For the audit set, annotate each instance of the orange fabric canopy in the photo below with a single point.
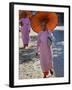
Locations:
(51, 17)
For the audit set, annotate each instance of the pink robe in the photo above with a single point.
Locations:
(25, 30)
(45, 51)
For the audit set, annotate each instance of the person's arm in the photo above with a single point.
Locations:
(29, 25)
(21, 22)
(53, 38)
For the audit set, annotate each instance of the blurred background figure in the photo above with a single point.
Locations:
(24, 23)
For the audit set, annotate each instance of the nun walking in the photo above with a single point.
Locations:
(44, 45)
(25, 29)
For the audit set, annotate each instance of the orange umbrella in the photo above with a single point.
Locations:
(23, 13)
(51, 17)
